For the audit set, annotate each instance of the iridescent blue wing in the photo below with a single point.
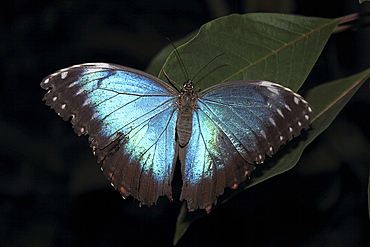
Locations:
(130, 118)
(235, 126)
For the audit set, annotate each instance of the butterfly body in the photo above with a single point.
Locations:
(139, 126)
(187, 103)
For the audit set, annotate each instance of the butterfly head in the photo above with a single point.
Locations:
(188, 86)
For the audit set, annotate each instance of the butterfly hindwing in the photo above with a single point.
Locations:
(210, 163)
(130, 119)
(235, 125)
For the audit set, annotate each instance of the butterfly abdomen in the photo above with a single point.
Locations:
(186, 104)
(184, 125)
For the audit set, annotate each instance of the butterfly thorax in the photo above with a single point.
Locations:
(186, 104)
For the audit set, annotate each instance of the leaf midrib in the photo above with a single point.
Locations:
(280, 49)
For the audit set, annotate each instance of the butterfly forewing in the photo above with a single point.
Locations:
(258, 116)
(234, 126)
(130, 119)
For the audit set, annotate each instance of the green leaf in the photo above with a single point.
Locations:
(258, 46)
(361, 1)
(184, 220)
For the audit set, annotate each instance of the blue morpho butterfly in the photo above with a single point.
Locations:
(139, 125)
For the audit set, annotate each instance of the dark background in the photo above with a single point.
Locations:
(52, 192)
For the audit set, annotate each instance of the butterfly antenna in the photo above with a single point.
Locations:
(172, 82)
(182, 65)
(213, 59)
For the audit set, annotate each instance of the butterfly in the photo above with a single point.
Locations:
(139, 126)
